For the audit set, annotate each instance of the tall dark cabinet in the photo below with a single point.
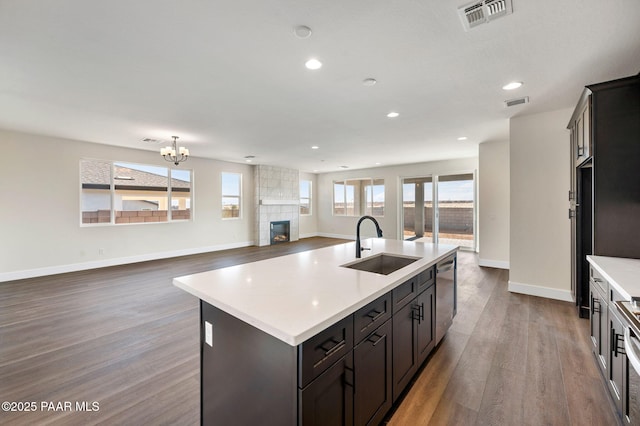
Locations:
(605, 178)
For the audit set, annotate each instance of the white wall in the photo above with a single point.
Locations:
(40, 210)
(345, 227)
(309, 223)
(493, 205)
(539, 252)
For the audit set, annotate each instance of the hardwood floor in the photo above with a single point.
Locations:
(127, 339)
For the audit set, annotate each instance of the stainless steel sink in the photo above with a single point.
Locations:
(382, 263)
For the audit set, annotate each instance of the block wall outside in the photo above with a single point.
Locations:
(453, 219)
(143, 216)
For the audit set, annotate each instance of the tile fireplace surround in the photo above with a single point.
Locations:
(277, 197)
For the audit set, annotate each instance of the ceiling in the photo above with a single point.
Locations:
(228, 76)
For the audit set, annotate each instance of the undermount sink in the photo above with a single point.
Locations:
(382, 263)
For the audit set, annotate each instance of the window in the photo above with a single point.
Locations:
(357, 197)
(231, 190)
(305, 197)
(119, 192)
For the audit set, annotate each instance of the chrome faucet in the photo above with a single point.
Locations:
(378, 230)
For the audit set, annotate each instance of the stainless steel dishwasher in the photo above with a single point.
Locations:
(446, 295)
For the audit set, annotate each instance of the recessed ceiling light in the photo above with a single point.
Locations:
(315, 147)
(369, 81)
(393, 114)
(462, 138)
(313, 64)
(377, 164)
(512, 85)
(302, 31)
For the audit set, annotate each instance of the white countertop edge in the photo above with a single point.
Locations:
(621, 288)
(294, 340)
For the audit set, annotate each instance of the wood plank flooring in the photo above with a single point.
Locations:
(126, 338)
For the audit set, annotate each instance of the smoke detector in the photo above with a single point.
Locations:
(483, 11)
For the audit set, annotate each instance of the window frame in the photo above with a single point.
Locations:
(112, 188)
(223, 196)
(309, 198)
(354, 196)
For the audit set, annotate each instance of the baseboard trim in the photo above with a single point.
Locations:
(311, 235)
(546, 292)
(74, 267)
(500, 264)
(341, 236)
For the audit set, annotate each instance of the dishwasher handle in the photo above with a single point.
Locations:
(630, 351)
(445, 266)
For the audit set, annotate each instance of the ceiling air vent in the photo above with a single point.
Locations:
(150, 140)
(483, 11)
(517, 101)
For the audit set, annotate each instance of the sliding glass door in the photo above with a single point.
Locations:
(455, 210)
(417, 205)
(448, 220)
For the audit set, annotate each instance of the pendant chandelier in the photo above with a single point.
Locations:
(173, 154)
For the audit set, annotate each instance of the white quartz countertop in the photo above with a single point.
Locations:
(296, 296)
(623, 274)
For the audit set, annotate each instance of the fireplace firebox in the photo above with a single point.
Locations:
(280, 232)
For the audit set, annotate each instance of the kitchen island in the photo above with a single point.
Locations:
(303, 339)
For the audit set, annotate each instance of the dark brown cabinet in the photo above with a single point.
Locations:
(617, 358)
(413, 330)
(372, 384)
(599, 320)
(605, 177)
(348, 374)
(328, 399)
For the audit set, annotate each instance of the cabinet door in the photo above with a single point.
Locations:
(617, 359)
(426, 323)
(603, 350)
(372, 367)
(328, 400)
(405, 359)
(594, 319)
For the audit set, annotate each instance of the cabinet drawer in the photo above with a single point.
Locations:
(598, 280)
(324, 349)
(366, 319)
(426, 279)
(404, 293)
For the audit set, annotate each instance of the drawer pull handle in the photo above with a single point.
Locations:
(378, 340)
(338, 345)
(374, 315)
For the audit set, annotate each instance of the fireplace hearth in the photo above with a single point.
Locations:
(280, 232)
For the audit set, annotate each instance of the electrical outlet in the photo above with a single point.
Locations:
(208, 333)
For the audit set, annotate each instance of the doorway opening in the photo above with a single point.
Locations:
(440, 209)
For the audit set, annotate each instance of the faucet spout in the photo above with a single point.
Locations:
(378, 230)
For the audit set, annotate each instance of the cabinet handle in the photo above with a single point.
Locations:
(352, 373)
(422, 311)
(597, 280)
(615, 339)
(378, 340)
(415, 313)
(374, 315)
(338, 345)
